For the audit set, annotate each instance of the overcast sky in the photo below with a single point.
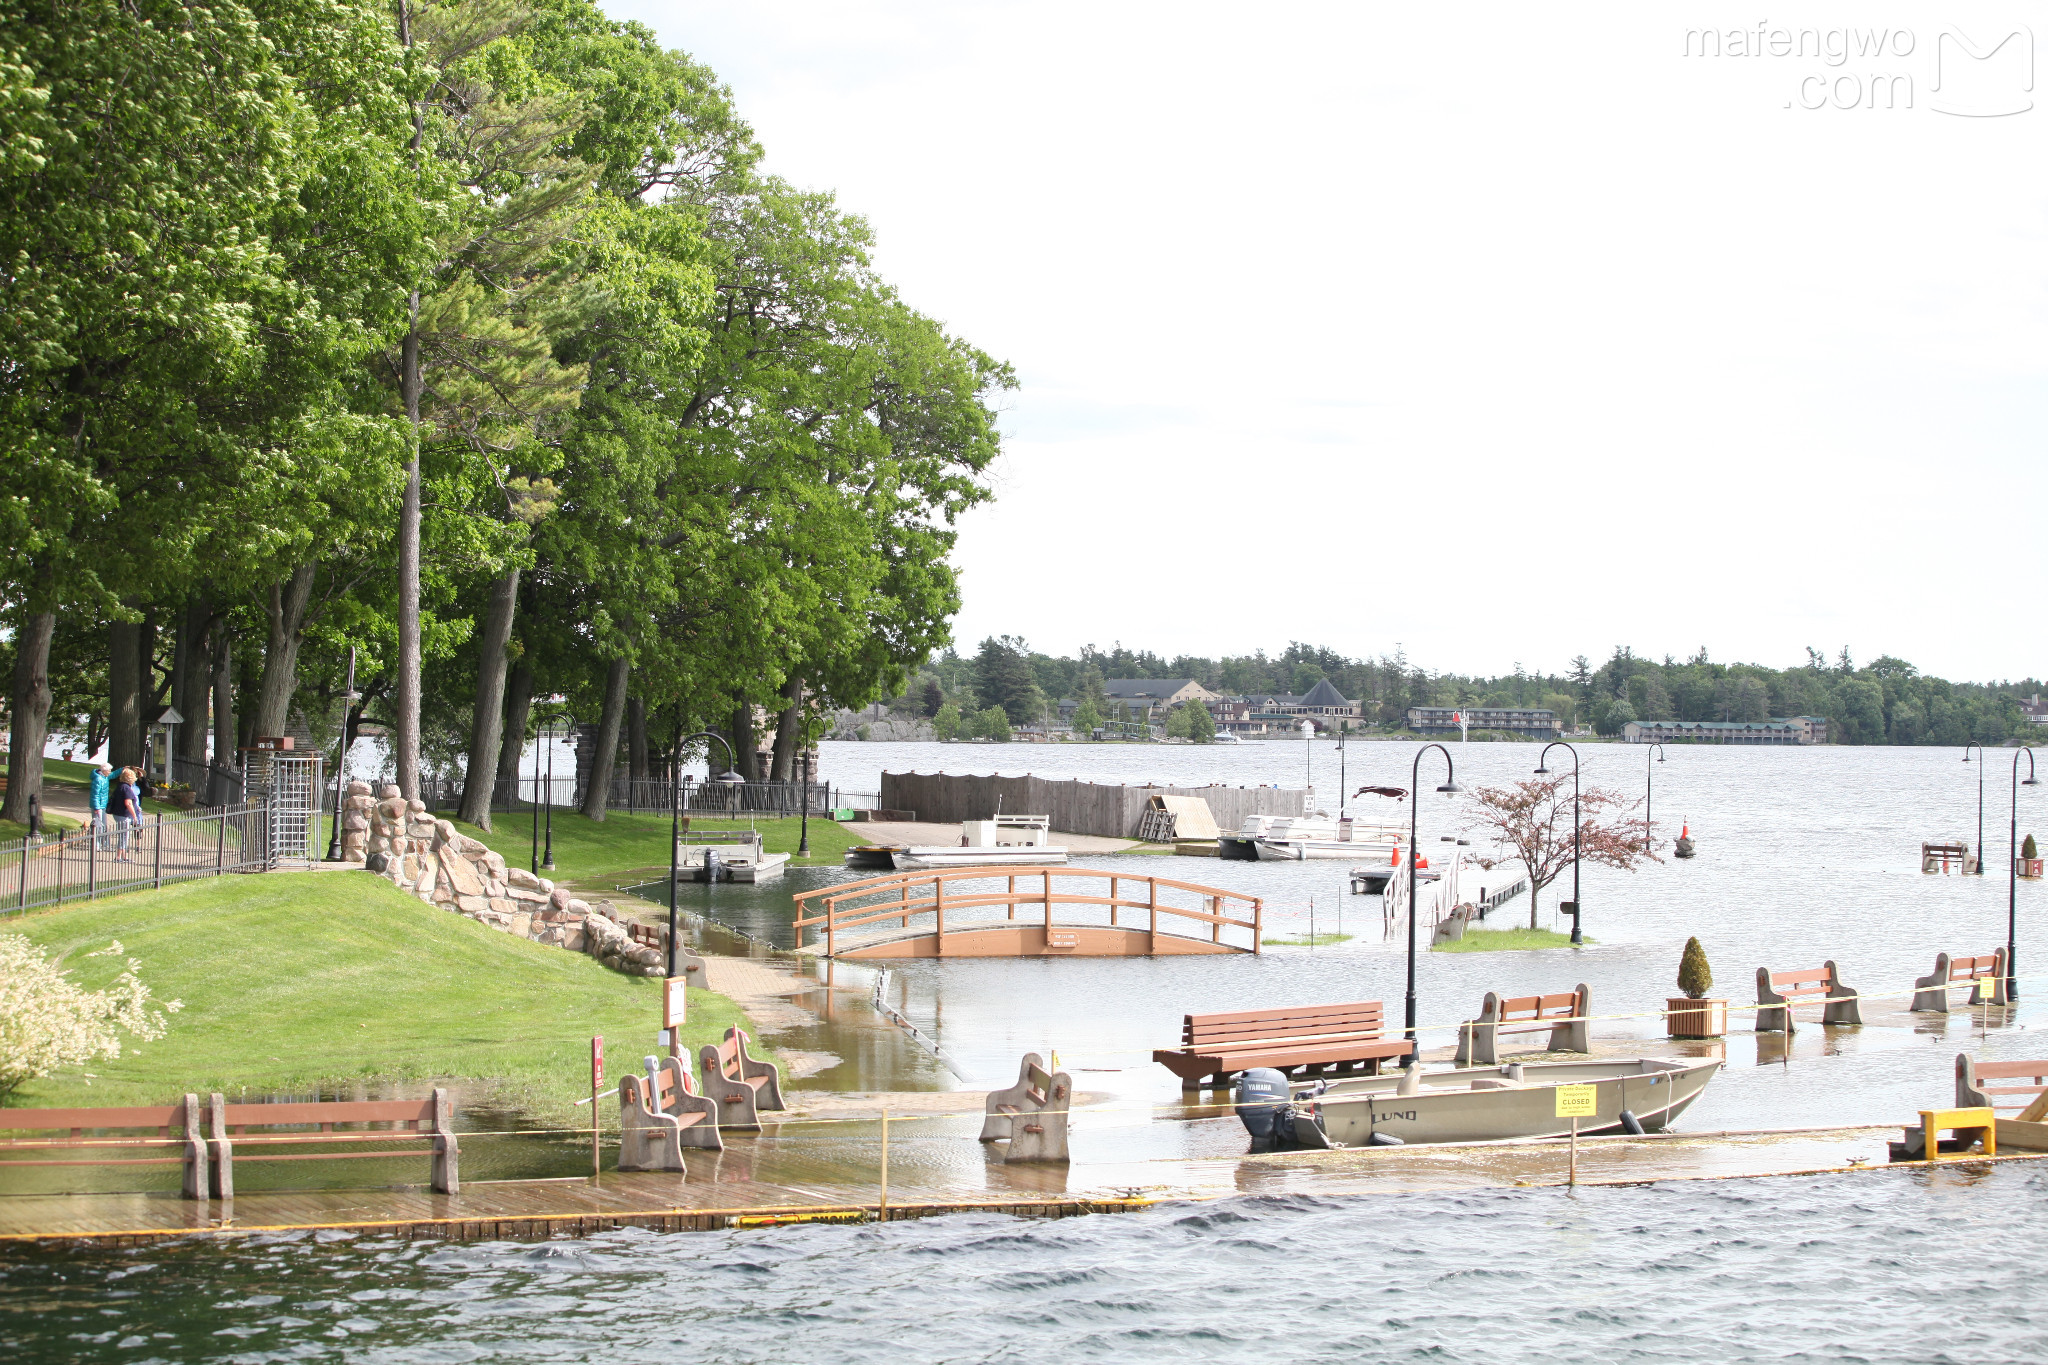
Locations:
(1505, 332)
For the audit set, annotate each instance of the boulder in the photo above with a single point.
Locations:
(448, 833)
(355, 820)
(358, 788)
(390, 791)
(462, 875)
(472, 905)
(377, 862)
(523, 880)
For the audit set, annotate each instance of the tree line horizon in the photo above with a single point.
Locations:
(1884, 701)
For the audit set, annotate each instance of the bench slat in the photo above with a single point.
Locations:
(1239, 1016)
(150, 1116)
(1290, 1029)
(338, 1111)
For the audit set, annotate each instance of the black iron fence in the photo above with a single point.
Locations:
(651, 796)
(154, 851)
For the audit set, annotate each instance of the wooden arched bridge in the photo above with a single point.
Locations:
(1046, 912)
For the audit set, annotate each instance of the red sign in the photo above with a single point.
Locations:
(597, 1064)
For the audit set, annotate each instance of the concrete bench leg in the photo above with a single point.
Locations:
(195, 1185)
(1576, 1035)
(1930, 992)
(1843, 1006)
(1777, 1020)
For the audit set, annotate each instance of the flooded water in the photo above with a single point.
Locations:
(1885, 1267)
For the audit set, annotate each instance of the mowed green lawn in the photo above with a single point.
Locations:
(293, 981)
(588, 851)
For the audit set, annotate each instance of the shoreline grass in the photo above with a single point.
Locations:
(1505, 940)
(587, 850)
(1306, 941)
(298, 981)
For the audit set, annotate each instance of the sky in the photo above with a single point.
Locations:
(1499, 332)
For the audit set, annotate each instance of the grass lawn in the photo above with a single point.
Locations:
(297, 980)
(589, 851)
(1305, 941)
(1497, 940)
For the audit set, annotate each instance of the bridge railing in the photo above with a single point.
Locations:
(907, 895)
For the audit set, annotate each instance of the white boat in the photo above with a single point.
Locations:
(1284, 839)
(921, 858)
(745, 863)
(1490, 1104)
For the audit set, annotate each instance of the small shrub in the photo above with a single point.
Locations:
(2027, 848)
(1695, 978)
(48, 1022)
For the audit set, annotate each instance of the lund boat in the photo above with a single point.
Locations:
(1489, 1104)
(924, 858)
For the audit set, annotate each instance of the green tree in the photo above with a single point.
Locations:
(1086, 718)
(1609, 719)
(1003, 678)
(1201, 725)
(946, 724)
(993, 723)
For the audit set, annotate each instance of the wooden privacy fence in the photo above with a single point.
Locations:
(1076, 807)
(968, 894)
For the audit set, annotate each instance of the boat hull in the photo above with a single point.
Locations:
(1449, 1108)
(1328, 850)
(930, 859)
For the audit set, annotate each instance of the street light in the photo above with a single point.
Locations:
(1647, 770)
(348, 695)
(547, 854)
(675, 831)
(1414, 812)
(803, 844)
(1973, 744)
(2012, 876)
(1542, 770)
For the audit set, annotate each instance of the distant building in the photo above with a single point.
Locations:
(2035, 710)
(1537, 722)
(1794, 730)
(1325, 703)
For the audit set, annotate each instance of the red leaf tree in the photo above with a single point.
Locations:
(1531, 823)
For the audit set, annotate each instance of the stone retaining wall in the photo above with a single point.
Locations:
(401, 842)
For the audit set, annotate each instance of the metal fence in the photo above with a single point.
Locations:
(652, 796)
(153, 852)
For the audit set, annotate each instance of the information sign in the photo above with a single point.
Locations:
(1578, 1101)
(673, 1001)
(597, 1065)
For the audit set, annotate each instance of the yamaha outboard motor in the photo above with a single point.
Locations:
(1262, 1099)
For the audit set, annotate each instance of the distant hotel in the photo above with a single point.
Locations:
(1797, 730)
(1443, 720)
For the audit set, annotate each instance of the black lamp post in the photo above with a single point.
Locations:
(675, 832)
(348, 696)
(1543, 769)
(1647, 771)
(1414, 813)
(547, 854)
(803, 846)
(2012, 876)
(1973, 744)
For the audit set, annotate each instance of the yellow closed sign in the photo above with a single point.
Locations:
(1578, 1101)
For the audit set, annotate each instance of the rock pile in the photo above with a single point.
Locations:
(400, 840)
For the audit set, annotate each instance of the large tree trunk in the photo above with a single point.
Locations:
(608, 726)
(189, 686)
(285, 614)
(788, 727)
(518, 707)
(479, 776)
(406, 693)
(746, 760)
(224, 771)
(124, 693)
(30, 727)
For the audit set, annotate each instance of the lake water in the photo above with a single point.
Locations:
(1891, 1267)
(1805, 854)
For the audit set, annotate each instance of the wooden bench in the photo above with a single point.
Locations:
(175, 1125)
(1935, 857)
(660, 1113)
(1820, 985)
(1306, 1038)
(433, 1119)
(2029, 1129)
(741, 1086)
(1567, 1016)
(1030, 1115)
(1930, 992)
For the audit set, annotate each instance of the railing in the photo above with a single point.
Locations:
(153, 852)
(649, 796)
(830, 907)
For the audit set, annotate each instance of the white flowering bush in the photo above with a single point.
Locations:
(48, 1021)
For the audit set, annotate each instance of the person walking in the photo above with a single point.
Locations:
(126, 805)
(102, 788)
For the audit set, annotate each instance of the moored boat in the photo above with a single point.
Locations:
(924, 858)
(1490, 1104)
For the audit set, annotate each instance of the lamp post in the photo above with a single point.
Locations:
(1973, 744)
(803, 845)
(534, 867)
(547, 854)
(2012, 875)
(348, 695)
(1343, 783)
(675, 832)
(1414, 813)
(1541, 770)
(1308, 753)
(1647, 770)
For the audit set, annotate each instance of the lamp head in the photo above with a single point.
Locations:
(1451, 787)
(2030, 781)
(1543, 771)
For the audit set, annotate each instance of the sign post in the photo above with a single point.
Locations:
(596, 1085)
(1576, 1102)
(674, 1008)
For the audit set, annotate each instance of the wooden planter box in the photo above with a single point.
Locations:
(1697, 1018)
(182, 800)
(2030, 868)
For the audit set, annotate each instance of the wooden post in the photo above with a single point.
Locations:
(158, 869)
(1216, 920)
(885, 1163)
(596, 1084)
(1012, 907)
(939, 905)
(1258, 924)
(1572, 1178)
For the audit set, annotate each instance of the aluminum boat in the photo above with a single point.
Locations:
(1488, 1104)
(927, 857)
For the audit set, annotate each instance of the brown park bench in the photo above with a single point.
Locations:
(739, 1085)
(1030, 1115)
(174, 1125)
(2029, 1129)
(660, 1114)
(1820, 985)
(432, 1119)
(1306, 1038)
(1930, 992)
(1565, 1016)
